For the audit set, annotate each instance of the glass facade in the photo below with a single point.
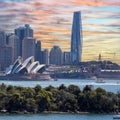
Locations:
(76, 38)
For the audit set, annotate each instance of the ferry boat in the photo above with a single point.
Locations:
(117, 117)
(100, 80)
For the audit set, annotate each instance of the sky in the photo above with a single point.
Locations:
(51, 21)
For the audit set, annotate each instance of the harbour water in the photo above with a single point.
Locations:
(56, 117)
(109, 85)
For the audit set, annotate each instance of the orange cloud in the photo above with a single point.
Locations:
(99, 32)
(95, 3)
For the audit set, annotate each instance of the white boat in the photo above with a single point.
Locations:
(99, 80)
(117, 117)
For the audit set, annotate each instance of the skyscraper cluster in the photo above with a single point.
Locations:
(22, 43)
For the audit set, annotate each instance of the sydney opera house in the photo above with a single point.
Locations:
(29, 66)
(26, 70)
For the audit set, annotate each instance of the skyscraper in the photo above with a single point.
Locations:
(13, 42)
(45, 57)
(38, 51)
(76, 38)
(2, 38)
(23, 32)
(5, 52)
(19, 32)
(66, 58)
(28, 48)
(5, 57)
(28, 32)
(56, 55)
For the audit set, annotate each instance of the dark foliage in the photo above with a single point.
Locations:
(61, 99)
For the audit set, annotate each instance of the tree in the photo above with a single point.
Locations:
(74, 89)
(37, 88)
(31, 105)
(3, 87)
(87, 88)
(10, 88)
(62, 87)
(2, 100)
(28, 93)
(100, 91)
(43, 100)
(15, 102)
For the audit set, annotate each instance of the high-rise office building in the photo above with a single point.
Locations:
(5, 52)
(19, 32)
(45, 57)
(7, 37)
(76, 38)
(28, 32)
(2, 38)
(13, 42)
(66, 57)
(28, 48)
(5, 57)
(23, 32)
(38, 51)
(55, 56)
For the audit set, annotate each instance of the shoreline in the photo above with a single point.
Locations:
(55, 79)
(52, 112)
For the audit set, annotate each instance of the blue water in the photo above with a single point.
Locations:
(56, 117)
(109, 85)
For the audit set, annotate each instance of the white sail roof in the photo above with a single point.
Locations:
(28, 66)
(38, 68)
(33, 66)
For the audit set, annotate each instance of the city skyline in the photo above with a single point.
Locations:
(52, 23)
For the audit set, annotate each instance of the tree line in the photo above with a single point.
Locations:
(59, 99)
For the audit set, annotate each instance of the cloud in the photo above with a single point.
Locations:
(96, 3)
(52, 22)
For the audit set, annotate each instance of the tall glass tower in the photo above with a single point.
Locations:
(76, 38)
(21, 33)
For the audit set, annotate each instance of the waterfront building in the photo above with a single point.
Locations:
(55, 56)
(66, 57)
(76, 38)
(5, 57)
(23, 32)
(13, 42)
(27, 66)
(28, 48)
